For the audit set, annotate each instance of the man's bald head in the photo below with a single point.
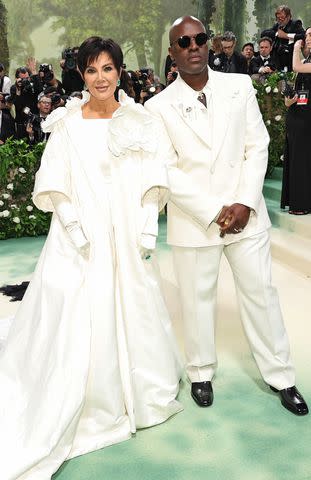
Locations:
(180, 22)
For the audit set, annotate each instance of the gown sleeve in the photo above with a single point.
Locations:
(54, 172)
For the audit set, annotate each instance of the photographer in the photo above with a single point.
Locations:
(231, 61)
(7, 125)
(57, 99)
(283, 34)
(48, 79)
(172, 74)
(23, 94)
(5, 82)
(262, 65)
(146, 80)
(248, 51)
(33, 126)
(215, 54)
(71, 78)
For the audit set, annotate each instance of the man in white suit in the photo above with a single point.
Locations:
(219, 150)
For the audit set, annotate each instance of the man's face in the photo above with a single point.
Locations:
(282, 18)
(23, 75)
(191, 60)
(265, 48)
(44, 106)
(228, 47)
(248, 52)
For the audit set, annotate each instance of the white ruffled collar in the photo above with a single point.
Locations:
(131, 126)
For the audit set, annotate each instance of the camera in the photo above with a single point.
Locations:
(25, 85)
(32, 119)
(56, 98)
(47, 71)
(143, 77)
(286, 89)
(70, 57)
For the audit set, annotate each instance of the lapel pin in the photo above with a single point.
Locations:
(188, 109)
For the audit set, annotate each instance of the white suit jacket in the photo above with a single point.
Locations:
(203, 178)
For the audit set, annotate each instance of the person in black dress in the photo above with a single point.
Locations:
(296, 188)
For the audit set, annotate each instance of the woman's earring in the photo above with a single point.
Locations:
(118, 83)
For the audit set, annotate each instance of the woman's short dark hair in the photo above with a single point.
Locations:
(92, 47)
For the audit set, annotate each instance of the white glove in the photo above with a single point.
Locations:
(147, 245)
(68, 217)
(78, 238)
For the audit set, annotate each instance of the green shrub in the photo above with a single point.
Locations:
(271, 104)
(18, 215)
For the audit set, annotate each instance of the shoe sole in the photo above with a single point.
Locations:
(200, 404)
(288, 407)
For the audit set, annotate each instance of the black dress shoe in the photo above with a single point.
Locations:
(292, 399)
(202, 393)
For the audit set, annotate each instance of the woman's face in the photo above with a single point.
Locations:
(101, 77)
(308, 38)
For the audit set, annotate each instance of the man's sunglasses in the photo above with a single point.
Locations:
(184, 41)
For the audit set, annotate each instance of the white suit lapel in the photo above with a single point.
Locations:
(186, 109)
(223, 95)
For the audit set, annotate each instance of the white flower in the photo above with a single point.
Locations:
(16, 220)
(268, 89)
(282, 158)
(6, 196)
(21, 170)
(5, 213)
(29, 208)
(32, 217)
(268, 122)
(9, 186)
(275, 90)
(1, 203)
(14, 206)
(278, 118)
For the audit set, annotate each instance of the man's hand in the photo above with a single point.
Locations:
(233, 219)
(32, 65)
(282, 34)
(29, 129)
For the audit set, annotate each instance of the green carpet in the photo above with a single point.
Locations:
(245, 435)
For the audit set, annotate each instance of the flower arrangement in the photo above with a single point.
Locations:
(18, 215)
(271, 104)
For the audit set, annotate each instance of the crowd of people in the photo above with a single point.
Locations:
(24, 102)
(91, 354)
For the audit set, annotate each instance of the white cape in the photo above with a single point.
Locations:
(91, 355)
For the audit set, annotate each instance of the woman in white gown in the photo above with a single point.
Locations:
(91, 354)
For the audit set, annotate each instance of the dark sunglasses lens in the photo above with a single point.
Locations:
(201, 39)
(184, 41)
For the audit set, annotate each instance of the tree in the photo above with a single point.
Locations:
(206, 8)
(264, 13)
(22, 21)
(4, 49)
(234, 19)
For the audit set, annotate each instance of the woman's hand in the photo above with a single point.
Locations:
(290, 101)
(298, 45)
(147, 245)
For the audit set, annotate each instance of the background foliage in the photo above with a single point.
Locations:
(4, 48)
(140, 26)
(18, 215)
(271, 104)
